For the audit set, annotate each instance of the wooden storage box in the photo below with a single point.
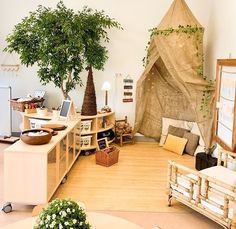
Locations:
(107, 157)
(21, 106)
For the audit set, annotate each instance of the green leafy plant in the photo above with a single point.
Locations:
(53, 40)
(62, 214)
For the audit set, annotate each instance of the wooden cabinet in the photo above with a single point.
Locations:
(32, 173)
(225, 104)
(98, 123)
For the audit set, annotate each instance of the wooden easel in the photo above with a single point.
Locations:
(72, 112)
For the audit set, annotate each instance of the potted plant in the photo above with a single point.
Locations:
(62, 214)
(52, 39)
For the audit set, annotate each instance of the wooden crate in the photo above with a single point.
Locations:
(107, 157)
(21, 106)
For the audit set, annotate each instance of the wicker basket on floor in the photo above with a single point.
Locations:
(107, 157)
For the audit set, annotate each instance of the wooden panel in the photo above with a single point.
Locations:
(224, 117)
(25, 178)
(5, 114)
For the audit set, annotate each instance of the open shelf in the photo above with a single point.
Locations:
(89, 132)
(98, 121)
(89, 147)
(112, 140)
(105, 129)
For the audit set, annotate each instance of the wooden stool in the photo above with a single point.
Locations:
(123, 138)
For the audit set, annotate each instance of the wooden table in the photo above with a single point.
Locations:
(97, 221)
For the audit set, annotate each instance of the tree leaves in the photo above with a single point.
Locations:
(62, 43)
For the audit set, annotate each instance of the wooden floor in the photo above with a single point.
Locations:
(136, 183)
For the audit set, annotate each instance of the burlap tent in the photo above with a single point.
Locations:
(171, 85)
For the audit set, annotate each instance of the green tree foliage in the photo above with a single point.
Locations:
(62, 43)
(94, 25)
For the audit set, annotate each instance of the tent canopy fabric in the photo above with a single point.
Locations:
(171, 85)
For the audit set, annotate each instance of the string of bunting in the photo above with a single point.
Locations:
(9, 64)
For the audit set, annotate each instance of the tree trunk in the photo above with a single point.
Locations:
(89, 106)
(65, 94)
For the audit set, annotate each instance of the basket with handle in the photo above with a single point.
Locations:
(108, 156)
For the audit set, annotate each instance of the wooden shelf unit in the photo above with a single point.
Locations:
(108, 118)
(36, 171)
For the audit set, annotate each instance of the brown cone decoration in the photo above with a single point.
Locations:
(89, 106)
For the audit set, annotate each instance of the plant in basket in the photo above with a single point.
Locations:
(62, 214)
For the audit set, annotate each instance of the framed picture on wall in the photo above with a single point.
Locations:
(224, 131)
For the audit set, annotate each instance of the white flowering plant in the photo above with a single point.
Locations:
(62, 214)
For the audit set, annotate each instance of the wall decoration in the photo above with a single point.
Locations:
(9, 64)
(128, 89)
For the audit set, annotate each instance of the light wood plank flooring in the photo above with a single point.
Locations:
(136, 183)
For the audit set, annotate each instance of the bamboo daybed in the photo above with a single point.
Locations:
(211, 192)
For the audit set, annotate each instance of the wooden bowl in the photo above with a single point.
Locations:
(36, 140)
(56, 127)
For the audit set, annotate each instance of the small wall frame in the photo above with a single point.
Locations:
(224, 128)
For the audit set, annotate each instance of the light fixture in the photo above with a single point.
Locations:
(106, 87)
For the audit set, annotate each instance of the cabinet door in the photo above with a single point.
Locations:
(224, 118)
(62, 157)
(71, 148)
(51, 172)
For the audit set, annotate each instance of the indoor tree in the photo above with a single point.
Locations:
(52, 39)
(94, 25)
(64, 43)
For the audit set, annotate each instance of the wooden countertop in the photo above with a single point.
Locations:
(20, 146)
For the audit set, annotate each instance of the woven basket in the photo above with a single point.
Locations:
(107, 157)
(21, 106)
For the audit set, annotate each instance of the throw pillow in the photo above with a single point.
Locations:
(177, 131)
(175, 144)
(174, 122)
(192, 144)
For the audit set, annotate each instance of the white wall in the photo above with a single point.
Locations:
(222, 33)
(126, 48)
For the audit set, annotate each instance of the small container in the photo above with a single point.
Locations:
(85, 126)
(55, 114)
(85, 141)
(42, 111)
(37, 123)
(108, 156)
(38, 139)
